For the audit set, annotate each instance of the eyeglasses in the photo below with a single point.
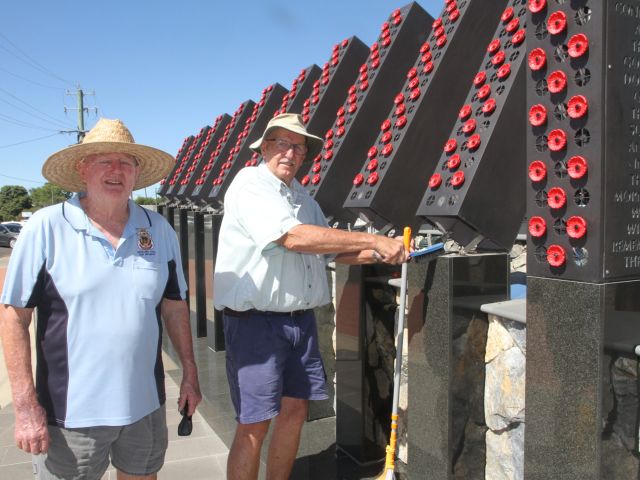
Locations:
(283, 146)
(122, 163)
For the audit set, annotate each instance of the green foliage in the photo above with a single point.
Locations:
(48, 194)
(13, 200)
(146, 201)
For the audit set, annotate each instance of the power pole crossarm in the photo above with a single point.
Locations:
(80, 94)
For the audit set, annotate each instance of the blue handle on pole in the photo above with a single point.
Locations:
(425, 251)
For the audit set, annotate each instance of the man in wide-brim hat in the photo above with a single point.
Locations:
(270, 273)
(101, 271)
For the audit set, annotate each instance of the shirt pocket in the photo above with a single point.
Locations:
(148, 279)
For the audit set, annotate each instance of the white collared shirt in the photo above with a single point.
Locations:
(251, 270)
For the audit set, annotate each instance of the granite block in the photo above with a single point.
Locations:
(572, 331)
(445, 296)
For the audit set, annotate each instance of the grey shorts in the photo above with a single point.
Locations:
(83, 453)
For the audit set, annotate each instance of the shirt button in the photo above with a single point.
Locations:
(309, 285)
(308, 266)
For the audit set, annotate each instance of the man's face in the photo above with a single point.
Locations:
(283, 152)
(109, 173)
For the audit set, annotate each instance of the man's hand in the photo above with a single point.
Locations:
(176, 318)
(391, 250)
(189, 394)
(31, 431)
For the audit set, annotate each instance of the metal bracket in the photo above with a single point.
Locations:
(472, 245)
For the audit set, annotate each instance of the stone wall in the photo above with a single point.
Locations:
(620, 457)
(469, 428)
(381, 307)
(505, 407)
(504, 399)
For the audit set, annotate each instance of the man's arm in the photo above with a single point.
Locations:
(359, 258)
(31, 433)
(176, 318)
(307, 238)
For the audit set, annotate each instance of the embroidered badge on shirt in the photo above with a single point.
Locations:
(145, 242)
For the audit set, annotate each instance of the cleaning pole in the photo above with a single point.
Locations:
(390, 463)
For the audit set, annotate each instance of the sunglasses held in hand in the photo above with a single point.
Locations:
(186, 424)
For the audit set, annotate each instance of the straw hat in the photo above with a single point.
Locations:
(293, 123)
(107, 136)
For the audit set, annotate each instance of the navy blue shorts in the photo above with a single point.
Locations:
(271, 356)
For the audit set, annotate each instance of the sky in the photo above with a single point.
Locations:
(165, 68)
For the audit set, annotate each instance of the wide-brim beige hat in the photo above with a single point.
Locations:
(293, 123)
(107, 136)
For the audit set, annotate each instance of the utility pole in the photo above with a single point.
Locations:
(80, 94)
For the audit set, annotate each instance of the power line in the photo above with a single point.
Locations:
(20, 123)
(21, 59)
(34, 108)
(32, 140)
(98, 105)
(31, 114)
(22, 179)
(33, 63)
(29, 80)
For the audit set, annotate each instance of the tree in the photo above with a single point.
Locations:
(48, 194)
(146, 201)
(13, 200)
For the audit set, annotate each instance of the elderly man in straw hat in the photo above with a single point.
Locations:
(101, 271)
(270, 273)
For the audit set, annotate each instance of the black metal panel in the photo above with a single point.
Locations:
(174, 184)
(621, 219)
(584, 222)
(292, 101)
(589, 187)
(354, 128)
(330, 91)
(192, 172)
(388, 188)
(477, 190)
(301, 88)
(240, 155)
(225, 144)
(182, 151)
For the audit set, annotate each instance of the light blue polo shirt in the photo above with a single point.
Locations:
(252, 271)
(99, 332)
